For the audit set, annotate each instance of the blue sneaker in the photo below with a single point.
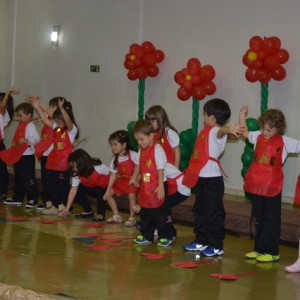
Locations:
(212, 251)
(164, 242)
(194, 247)
(141, 240)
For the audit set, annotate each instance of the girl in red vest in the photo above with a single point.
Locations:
(165, 133)
(6, 114)
(153, 207)
(90, 177)
(264, 181)
(121, 169)
(58, 174)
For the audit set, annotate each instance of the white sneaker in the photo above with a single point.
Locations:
(50, 211)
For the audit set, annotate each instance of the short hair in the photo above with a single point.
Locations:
(143, 126)
(219, 109)
(274, 117)
(25, 107)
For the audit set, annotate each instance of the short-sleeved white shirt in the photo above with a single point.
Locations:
(134, 158)
(32, 135)
(172, 137)
(4, 120)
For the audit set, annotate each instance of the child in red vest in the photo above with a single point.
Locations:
(153, 207)
(165, 133)
(204, 171)
(121, 169)
(264, 181)
(90, 177)
(21, 156)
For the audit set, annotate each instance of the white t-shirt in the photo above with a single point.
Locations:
(32, 135)
(290, 145)
(101, 169)
(4, 120)
(172, 137)
(216, 147)
(134, 158)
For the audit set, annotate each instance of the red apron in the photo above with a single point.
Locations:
(62, 147)
(13, 155)
(172, 184)
(149, 179)
(265, 176)
(95, 179)
(164, 142)
(45, 142)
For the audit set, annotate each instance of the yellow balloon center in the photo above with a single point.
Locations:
(252, 56)
(132, 57)
(188, 77)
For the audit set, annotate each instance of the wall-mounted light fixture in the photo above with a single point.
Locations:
(55, 36)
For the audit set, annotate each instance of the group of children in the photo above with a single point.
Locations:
(150, 177)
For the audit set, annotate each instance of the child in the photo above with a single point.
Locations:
(57, 165)
(90, 177)
(6, 114)
(165, 133)
(121, 169)
(153, 208)
(204, 172)
(45, 145)
(264, 181)
(21, 156)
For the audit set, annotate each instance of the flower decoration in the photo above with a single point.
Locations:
(264, 59)
(141, 61)
(195, 80)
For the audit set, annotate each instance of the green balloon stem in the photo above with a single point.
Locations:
(141, 100)
(195, 115)
(264, 97)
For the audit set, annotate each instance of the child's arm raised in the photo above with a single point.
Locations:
(242, 120)
(233, 129)
(66, 116)
(4, 102)
(38, 106)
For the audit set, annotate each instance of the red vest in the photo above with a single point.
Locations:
(265, 176)
(149, 179)
(58, 157)
(199, 158)
(13, 155)
(172, 184)
(95, 179)
(45, 142)
(121, 185)
(164, 142)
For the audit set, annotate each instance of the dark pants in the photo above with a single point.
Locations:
(157, 218)
(44, 180)
(266, 212)
(58, 186)
(4, 178)
(209, 212)
(96, 192)
(25, 182)
(175, 199)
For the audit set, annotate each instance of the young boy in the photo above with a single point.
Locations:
(154, 210)
(21, 156)
(204, 171)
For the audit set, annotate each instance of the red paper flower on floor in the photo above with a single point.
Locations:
(195, 80)
(264, 59)
(141, 61)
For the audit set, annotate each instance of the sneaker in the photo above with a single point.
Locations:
(164, 242)
(268, 258)
(194, 247)
(31, 204)
(2, 197)
(114, 219)
(10, 201)
(41, 207)
(212, 251)
(155, 232)
(141, 240)
(50, 211)
(252, 255)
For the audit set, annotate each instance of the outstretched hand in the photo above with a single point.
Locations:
(236, 130)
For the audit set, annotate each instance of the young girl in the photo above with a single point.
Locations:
(90, 177)
(264, 181)
(121, 169)
(64, 133)
(45, 145)
(6, 114)
(165, 133)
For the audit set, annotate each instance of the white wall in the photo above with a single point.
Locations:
(100, 32)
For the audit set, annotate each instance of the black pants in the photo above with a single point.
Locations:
(44, 180)
(25, 182)
(58, 186)
(175, 199)
(266, 213)
(96, 192)
(4, 178)
(209, 212)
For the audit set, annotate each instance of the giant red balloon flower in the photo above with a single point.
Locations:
(264, 59)
(141, 61)
(195, 80)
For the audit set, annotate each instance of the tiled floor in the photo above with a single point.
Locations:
(56, 258)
